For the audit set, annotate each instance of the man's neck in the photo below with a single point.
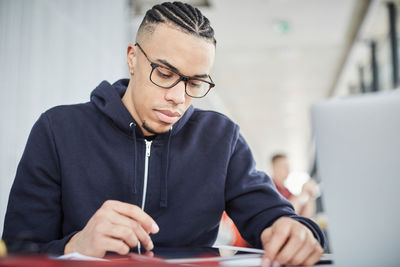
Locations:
(150, 137)
(127, 102)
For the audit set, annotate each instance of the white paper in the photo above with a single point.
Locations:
(242, 249)
(79, 257)
(235, 260)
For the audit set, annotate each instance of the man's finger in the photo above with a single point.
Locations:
(149, 254)
(141, 234)
(265, 238)
(266, 235)
(135, 213)
(276, 241)
(123, 233)
(294, 244)
(120, 219)
(306, 251)
(115, 245)
(143, 237)
(314, 257)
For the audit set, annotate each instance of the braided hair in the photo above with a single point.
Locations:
(184, 16)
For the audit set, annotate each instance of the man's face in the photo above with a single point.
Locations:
(156, 109)
(281, 169)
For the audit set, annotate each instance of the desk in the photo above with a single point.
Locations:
(162, 259)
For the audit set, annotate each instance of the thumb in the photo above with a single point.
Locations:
(266, 235)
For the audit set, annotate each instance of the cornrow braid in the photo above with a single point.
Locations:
(178, 17)
(182, 15)
(188, 11)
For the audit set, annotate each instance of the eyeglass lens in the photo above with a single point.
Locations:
(166, 78)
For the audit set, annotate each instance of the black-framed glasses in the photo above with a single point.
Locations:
(165, 77)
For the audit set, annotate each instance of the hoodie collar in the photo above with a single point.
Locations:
(107, 98)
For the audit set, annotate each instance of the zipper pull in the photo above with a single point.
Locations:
(148, 148)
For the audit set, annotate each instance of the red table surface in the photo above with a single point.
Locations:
(118, 261)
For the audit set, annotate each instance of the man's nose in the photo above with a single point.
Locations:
(177, 93)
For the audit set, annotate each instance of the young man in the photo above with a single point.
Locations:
(139, 165)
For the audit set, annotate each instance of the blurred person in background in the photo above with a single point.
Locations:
(304, 203)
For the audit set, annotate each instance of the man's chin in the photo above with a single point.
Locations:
(159, 130)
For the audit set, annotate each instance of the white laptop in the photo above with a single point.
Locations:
(358, 159)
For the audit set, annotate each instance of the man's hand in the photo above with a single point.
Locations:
(291, 243)
(115, 227)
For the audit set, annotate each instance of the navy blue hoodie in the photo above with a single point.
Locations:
(78, 156)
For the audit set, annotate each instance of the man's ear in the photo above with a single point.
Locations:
(131, 57)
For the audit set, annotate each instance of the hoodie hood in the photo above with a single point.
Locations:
(107, 98)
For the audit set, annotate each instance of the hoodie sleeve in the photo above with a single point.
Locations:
(252, 200)
(34, 213)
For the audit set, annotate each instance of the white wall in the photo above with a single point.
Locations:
(52, 53)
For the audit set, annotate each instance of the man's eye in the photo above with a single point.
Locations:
(195, 84)
(164, 73)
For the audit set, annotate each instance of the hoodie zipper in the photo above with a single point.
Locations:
(146, 171)
(145, 178)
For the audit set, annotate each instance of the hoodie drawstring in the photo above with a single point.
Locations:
(132, 125)
(164, 179)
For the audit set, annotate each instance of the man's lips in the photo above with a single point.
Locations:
(167, 116)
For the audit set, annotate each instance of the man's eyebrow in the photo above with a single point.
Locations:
(166, 63)
(169, 65)
(201, 76)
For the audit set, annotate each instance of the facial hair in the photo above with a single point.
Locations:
(147, 128)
